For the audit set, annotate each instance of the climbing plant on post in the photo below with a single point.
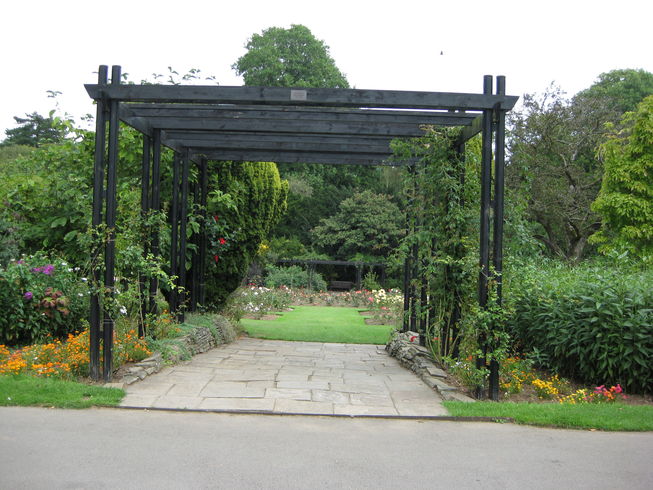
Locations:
(442, 190)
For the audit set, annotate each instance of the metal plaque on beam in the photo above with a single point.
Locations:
(298, 95)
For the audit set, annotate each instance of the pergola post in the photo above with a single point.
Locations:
(194, 267)
(181, 305)
(497, 251)
(174, 232)
(484, 246)
(145, 208)
(98, 198)
(155, 204)
(110, 218)
(203, 236)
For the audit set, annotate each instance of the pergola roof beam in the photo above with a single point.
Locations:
(294, 113)
(300, 96)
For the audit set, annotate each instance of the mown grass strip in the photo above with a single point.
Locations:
(601, 416)
(23, 390)
(319, 324)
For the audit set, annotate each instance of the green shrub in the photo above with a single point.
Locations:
(246, 200)
(40, 298)
(293, 277)
(591, 323)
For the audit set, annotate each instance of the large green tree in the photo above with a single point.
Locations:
(553, 165)
(623, 90)
(35, 130)
(294, 57)
(288, 57)
(366, 224)
(625, 202)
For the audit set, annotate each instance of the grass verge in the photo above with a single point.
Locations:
(23, 390)
(319, 324)
(601, 416)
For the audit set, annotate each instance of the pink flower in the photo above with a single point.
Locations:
(413, 337)
(618, 389)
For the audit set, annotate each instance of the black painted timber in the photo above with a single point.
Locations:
(218, 112)
(301, 96)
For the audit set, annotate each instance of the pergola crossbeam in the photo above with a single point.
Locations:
(301, 96)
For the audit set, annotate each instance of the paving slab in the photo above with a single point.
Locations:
(273, 376)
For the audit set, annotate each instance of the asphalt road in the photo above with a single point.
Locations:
(113, 448)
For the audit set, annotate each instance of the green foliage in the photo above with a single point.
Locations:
(589, 322)
(286, 248)
(554, 169)
(625, 201)
(554, 173)
(248, 200)
(370, 281)
(315, 192)
(9, 153)
(288, 58)
(443, 191)
(624, 89)
(292, 277)
(35, 130)
(40, 298)
(365, 222)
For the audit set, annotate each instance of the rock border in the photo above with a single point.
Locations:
(406, 349)
(201, 339)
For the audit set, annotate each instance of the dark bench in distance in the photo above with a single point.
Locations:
(341, 285)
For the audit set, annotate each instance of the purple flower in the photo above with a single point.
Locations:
(37, 269)
(48, 269)
(20, 262)
(28, 295)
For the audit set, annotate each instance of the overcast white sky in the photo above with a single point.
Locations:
(378, 44)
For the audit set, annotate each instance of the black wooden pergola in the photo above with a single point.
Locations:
(283, 125)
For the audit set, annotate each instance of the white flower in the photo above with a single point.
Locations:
(123, 310)
(81, 295)
(84, 279)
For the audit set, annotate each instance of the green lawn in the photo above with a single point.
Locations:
(602, 416)
(26, 390)
(319, 324)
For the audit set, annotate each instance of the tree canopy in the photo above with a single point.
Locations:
(288, 57)
(624, 89)
(366, 223)
(34, 130)
(554, 166)
(625, 201)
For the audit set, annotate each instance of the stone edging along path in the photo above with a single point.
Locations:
(409, 354)
(419, 360)
(201, 339)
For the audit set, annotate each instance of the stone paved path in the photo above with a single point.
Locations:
(289, 377)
